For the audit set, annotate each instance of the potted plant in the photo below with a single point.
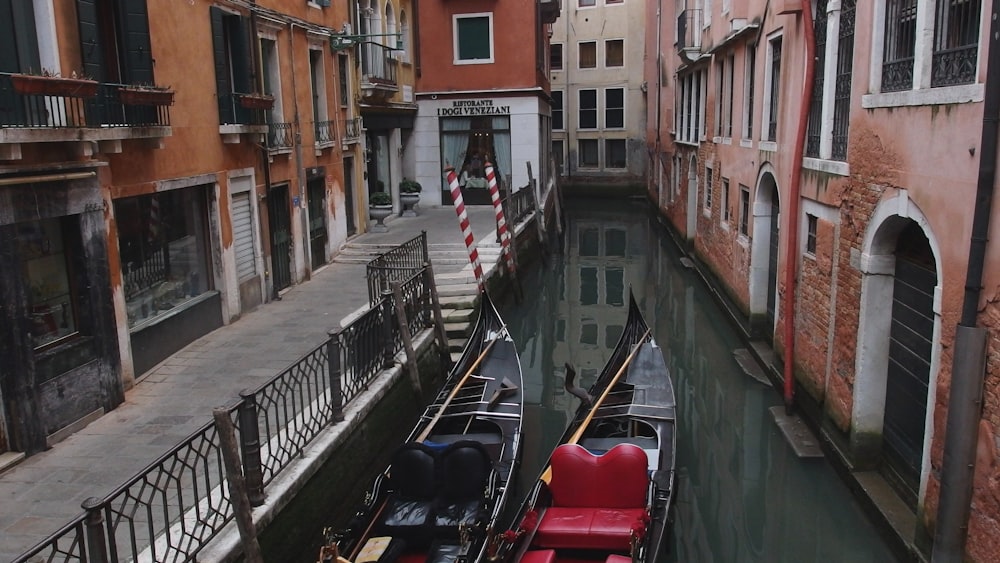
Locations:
(49, 84)
(379, 207)
(256, 101)
(409, 195)
(146, 95)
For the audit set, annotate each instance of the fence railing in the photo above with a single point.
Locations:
(398, 264)
(279, 136)
(325, 131)
(519, 204)
(75, 109)
(171, 509)
(377, 64)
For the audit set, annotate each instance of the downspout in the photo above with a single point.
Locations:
(415, 37)
(299, 168)
(265, 160)
(794, 191)
(968, 371)
(658, 166)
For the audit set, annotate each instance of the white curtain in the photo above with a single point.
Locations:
(454, 142)
(501, 144)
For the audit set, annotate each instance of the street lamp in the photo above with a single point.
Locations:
(345, 40)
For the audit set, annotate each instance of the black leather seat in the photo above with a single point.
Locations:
(465, 469)
(413, 479)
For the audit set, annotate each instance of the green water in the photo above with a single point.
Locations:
(743, 496)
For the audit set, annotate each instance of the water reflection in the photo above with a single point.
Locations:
(743, 496)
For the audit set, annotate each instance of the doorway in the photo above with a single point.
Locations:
(280, 221)
(316, 191)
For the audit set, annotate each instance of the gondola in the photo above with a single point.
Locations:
(606, 491)
(448, 483)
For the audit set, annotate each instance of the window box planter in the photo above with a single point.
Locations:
(256, 101)
(145, 96)
(39, 85)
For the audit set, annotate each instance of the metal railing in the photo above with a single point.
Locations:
(689, 30)
(519, 204)
(398, 264)
(279, 136)
(75, 109)
(232, 110)
(377, 64)
(325, 132)
(171, 509)
(352, 130)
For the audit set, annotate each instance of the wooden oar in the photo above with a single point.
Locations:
(454, 391)
(547, 476)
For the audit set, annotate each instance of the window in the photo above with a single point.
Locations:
(272, 76)
(588, 149)
(317, 81)
(614, 108)
(162, 240)
(614, 153)
(588, 286)
(231, 42)
(691, 110)
(473, 40)
(614, 286)
(956, 42)
(724, 96)
(588, 109)
(829, 111)
(343, 78)
(614, 1)
(586, 3)
(708, 189)
(899, 45)
(404, 37)
(748, 91)
(614, 53)
(744, 210)
(811, 235)
(588, 54)
(47, 264)
(725, 200)
(556, 56)
(557, 110)
(773, 89)
(558, 155)
(467, 142)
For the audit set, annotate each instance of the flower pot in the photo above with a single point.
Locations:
(256, 101)
(408, 200)
(379, 213)
(145, 96)
(29, 84)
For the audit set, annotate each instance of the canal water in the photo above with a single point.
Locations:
(743, 496)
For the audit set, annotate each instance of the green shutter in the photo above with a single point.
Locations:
(238, 29)
(138, 56)
(223, 87)
(91, 46)
(18, 45)
(474, 41)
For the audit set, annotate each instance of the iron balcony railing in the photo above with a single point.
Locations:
(233, 110)
(174, 507)
(689, 30)
(279, 136)
(377, 65)
(75, 110)
(352, 130)
(325, 132)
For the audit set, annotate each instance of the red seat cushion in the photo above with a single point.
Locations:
(617, 479)
(618, 559)
(588, 528)
(540, 556)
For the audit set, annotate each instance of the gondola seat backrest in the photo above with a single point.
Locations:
(464, 472)
(597, 501)
(413, 481)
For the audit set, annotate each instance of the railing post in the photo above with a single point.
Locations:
(425, 297)
(253, 469)
(404, 332)
(333, 361)
(423, 245)
(97, 545)
(387, 317)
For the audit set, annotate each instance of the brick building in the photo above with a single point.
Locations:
(880, 208)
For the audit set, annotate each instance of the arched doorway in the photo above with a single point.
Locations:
(898, 348)
(764, 255)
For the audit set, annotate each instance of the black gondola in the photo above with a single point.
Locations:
(606, 491)
(448, 483)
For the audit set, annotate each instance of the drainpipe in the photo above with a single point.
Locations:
(968, 371)
(415, 37)
(265, 160)
(659, 88)
(299, 167)
(795, 188)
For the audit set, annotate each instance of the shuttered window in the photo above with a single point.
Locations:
(474, 38)
(231, 50)
(243, 243)
(114, 40)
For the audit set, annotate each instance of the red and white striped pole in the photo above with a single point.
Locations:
(463, 221)
(501, 221)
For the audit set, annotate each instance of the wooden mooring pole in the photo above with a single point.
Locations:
(237, 486)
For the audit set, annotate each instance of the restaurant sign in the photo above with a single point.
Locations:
(463, 108)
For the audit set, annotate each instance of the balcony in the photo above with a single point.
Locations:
(242, 113)
(689, 28)
(95, 113)
(378, 72)
(352, 131)
(279, 138)
(325, 134)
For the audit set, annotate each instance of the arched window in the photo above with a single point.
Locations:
(390, 26)
(404, 35)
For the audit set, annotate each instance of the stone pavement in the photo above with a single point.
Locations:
(45, 491)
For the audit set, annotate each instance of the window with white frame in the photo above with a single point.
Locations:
(389, 39)
(473, 38)
(773, 82)
(557, 110)
(725, 201)
(586, 3)
(556, 56)
(558, 155)
(317, 79)
(744, 210)
(724, 96)
(587, 118)
(587, 51)
(614, 53)
(707, 200)
(271, 73)
(614, 153)
(945, 32)
(811, 222)
(614, 108)
(830, 106)
(750, 74)
(691, 106)
(404, 37)
(587, 153)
